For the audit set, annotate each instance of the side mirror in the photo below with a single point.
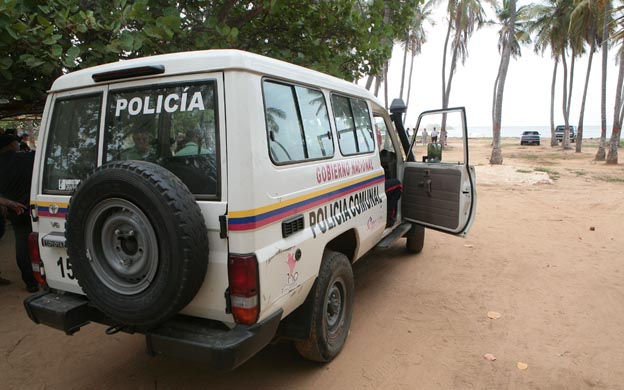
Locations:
(434, 153)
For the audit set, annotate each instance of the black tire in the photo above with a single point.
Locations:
(415, 239)
(137, 242)
(332, 309)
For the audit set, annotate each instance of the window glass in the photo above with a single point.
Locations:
(355, 132)
(297, 123)
(364, 130)
(71, 153)
(344, 124)
(383, 135)
(172, 125)
(315, 123)
(285, 140)
(445, 138)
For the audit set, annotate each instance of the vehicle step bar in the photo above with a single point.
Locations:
(395, 235)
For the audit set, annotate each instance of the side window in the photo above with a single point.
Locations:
(383, 135)
(363, 128)
(71, 153)
(173, 125)
(355, 132)
(316, 128)
(297, 123)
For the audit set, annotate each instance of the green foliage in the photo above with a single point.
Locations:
(41, 41)
(554, 175)
(610, 179)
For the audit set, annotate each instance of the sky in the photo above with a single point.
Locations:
(526, 99)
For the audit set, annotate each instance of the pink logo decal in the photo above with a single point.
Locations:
(292, 263)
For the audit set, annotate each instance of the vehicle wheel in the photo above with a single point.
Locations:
(415, 239)
(538, 143)
(137, 242)
(332, 309)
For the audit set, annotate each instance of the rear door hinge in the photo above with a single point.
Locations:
(34, 212)
(223, 233)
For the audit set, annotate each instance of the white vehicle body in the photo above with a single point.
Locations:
(284, 211)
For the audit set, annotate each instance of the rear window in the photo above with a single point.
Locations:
(71, 152)
(353, 124)
(173, 125)
(297, 122)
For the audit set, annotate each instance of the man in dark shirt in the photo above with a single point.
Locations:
(15, 177)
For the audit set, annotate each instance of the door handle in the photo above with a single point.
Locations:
(428, 187)
(426, 183)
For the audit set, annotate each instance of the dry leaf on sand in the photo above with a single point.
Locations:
(522, 366)
(494, 315)
(489, 356)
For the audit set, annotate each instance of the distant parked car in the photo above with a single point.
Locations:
(530, 138)
(559, 131)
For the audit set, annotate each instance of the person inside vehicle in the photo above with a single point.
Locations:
(192, 144)
(142, 148)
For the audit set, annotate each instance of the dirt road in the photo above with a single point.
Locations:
(546, 252)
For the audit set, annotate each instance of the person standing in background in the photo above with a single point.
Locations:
(7, 205)
(434, 135)
(15, 177)
(424, 136)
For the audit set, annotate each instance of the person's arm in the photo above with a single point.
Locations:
(16, 207)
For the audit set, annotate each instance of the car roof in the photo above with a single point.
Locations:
(211, 61)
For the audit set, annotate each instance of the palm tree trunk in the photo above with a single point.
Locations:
(409, 84)
(614, 142)
(404, 66)
(494, 91)
(446, 41)
(369, 81)
(579, 129)
(566, 114)
(497, 155)
(447, 92)
(377, 84)
(600, 154)
(385, 78)
(553, 140)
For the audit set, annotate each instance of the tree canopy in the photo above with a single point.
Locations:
(41, 41)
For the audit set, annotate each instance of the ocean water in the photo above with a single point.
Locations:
(516, 131)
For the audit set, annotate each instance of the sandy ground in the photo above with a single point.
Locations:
(546, 252)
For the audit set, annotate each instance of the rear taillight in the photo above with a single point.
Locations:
(243, 278)
(35, 258)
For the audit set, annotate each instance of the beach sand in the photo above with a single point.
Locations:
(538, 285)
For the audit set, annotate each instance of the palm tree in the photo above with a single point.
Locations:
(618, 113)
(510, 36)
(564, 10)
(600, 153)
(416, 38)
(464, 16)
(551, 30)
(584, 23)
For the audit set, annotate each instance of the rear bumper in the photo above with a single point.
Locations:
(183, 337)
(66, 312)
(224, 349)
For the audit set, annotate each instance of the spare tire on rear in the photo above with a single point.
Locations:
(137, 242)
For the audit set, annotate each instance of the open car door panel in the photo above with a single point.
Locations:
(439, 192)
